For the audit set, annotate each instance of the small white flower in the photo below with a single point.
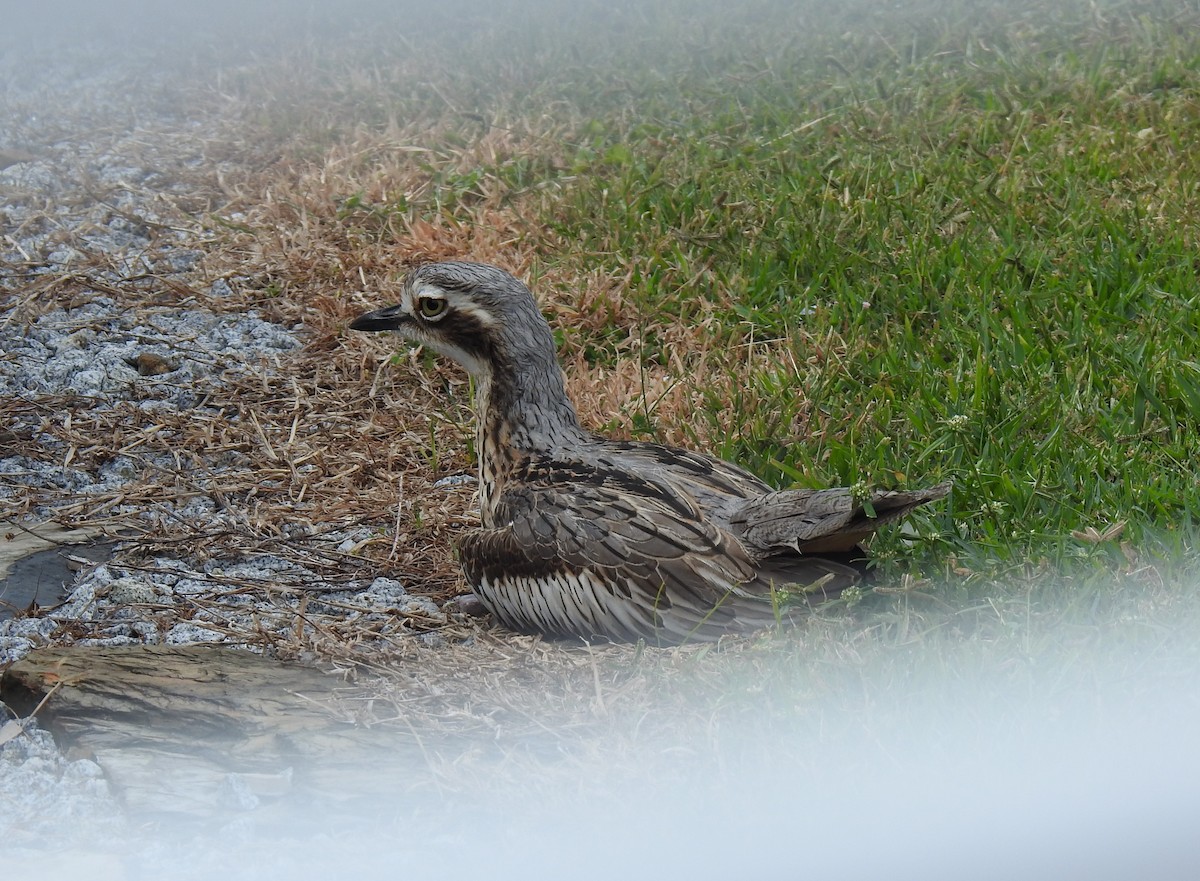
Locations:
(861, 491)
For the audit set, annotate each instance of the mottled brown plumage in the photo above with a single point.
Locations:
(589, 537)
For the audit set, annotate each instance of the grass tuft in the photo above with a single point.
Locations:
(880, 244)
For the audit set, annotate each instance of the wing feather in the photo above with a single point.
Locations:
(587, 558)
(822, 521)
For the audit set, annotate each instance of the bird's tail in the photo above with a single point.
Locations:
(826, 521)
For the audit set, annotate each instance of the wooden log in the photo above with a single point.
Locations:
(199, 730)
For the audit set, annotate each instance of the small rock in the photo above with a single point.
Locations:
(469, 604)
(453, 481)
(130, 591)
(149, 364)
(186, 633)
(13, 157)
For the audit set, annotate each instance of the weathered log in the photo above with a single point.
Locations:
(203, 729)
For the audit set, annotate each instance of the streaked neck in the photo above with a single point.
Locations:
(522, 414)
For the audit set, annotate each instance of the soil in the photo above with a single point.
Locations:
(129, 367)
(107, 192)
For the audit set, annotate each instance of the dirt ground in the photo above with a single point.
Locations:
(167, 388)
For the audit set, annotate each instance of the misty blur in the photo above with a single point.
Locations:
(1012, 736)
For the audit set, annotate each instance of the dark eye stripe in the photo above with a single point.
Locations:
(468, 333)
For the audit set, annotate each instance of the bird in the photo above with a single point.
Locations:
(591, 538)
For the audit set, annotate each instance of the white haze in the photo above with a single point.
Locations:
(950, 781)
(928, 785)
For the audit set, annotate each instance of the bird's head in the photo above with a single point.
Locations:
(479, 315)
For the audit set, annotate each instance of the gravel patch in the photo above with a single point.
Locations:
(106, 188)
(111, 162)
(101, 350)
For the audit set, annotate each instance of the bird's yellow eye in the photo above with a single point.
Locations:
(431, 307)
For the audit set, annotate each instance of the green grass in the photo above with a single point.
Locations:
(998, 225)
(969, 229)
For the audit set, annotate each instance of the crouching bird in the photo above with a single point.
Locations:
(590, 537)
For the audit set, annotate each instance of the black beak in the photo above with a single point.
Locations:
(381, 319)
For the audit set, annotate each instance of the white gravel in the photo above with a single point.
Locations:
(102, 122)
(1021, 788)
(92, 351)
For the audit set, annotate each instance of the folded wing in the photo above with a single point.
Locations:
(617, 556)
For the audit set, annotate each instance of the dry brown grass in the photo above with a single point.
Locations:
(347, 432)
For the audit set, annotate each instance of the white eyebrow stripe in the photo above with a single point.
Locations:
(464, 304)
(425, 289)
